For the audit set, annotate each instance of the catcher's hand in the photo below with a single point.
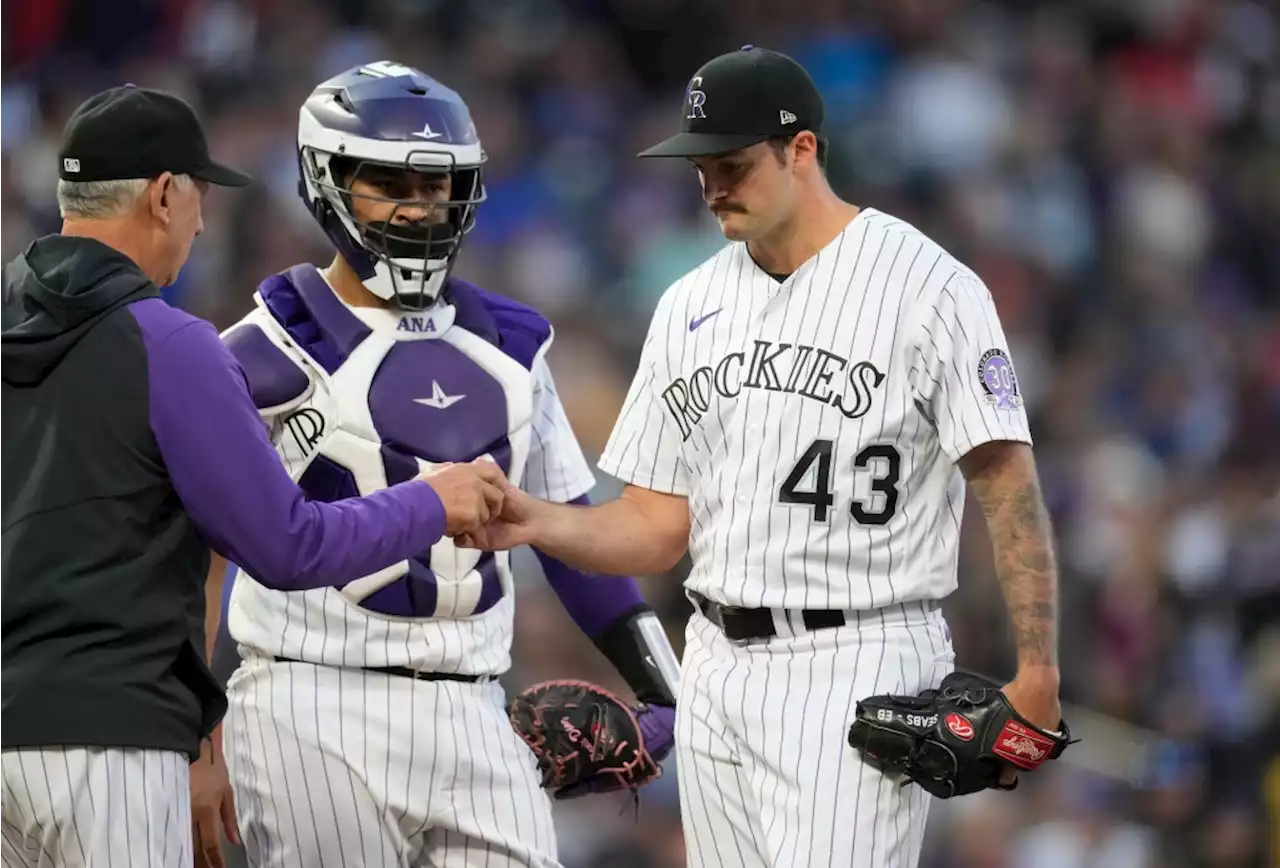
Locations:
(585, 738)
(955, 740)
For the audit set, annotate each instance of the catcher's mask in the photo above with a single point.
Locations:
(425, 207)
(393, 123)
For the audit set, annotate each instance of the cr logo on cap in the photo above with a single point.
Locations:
(697, 99)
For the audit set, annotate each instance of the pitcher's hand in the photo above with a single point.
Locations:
(1036, 699)
(512, 526)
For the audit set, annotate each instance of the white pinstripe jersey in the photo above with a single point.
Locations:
(325, 626)
(815, 423)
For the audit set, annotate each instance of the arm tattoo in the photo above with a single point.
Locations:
(1022, 539)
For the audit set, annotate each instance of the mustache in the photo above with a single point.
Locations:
(728, 208)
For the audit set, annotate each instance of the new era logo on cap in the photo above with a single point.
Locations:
(71, 166)
(786, 117)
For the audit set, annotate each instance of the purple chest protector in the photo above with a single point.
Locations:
(427, 400)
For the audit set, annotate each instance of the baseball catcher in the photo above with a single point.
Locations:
(955, 740)
(586, 739)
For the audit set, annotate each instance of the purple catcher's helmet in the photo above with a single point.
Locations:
(388, 116)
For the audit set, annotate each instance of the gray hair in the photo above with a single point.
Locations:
(102, 200)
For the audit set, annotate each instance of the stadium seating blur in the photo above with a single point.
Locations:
(1111, 170)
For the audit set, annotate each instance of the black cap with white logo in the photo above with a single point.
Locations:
(133, 132)
(740, 99)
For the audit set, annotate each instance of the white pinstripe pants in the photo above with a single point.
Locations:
(767, 777)
(338, 767)
(96, 808)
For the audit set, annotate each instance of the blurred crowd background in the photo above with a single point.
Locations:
(1111, 170)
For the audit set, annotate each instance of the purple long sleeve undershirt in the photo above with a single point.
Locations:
(235, 489)
(593, 601)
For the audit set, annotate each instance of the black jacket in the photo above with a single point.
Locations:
(132, 446)
(103, 572)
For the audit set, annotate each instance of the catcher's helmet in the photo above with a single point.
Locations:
(387, 116)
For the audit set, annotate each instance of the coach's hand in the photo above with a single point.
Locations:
(471, 493)
(510, 527)
(212, 806)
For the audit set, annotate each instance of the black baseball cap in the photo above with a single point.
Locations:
(134, 132)
(740, 99)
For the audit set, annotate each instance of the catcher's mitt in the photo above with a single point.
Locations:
(954, 740)
(586, 739)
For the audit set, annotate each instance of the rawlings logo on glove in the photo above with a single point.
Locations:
(587, 740)
(954, 740)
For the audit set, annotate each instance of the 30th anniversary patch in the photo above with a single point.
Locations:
(995, 372)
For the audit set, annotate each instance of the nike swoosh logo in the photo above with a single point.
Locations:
(699, 320)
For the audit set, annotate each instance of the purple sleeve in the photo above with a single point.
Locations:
(236, 490)
(594, 602)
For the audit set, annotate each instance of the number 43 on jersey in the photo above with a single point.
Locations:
(881, 460)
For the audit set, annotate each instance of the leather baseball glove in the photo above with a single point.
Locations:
(954, 740)
(586, 739)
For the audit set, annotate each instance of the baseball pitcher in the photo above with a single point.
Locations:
(811, 404)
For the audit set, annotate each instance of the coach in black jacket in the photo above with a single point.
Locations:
(130, 448)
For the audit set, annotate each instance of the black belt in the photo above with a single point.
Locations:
(741, 624)
(406, 672)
